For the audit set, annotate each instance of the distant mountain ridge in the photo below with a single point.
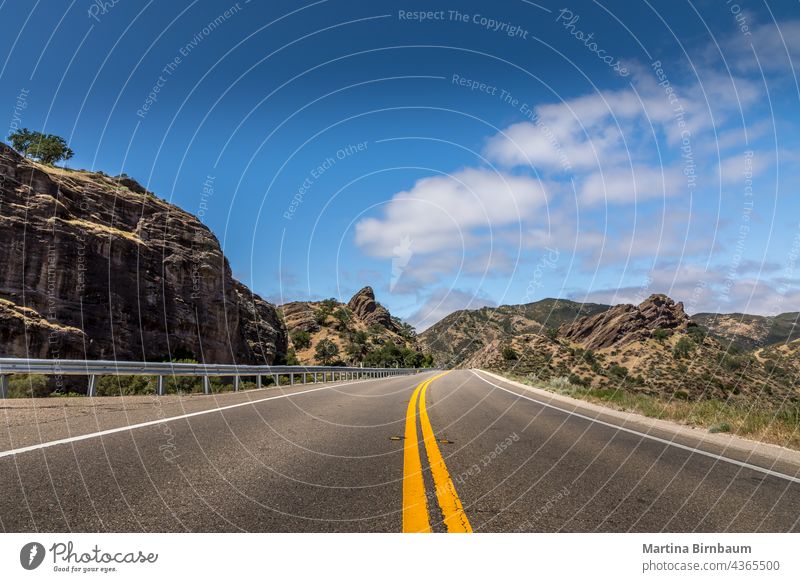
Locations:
(653, 347)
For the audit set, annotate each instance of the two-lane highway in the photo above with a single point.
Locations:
(453, 452)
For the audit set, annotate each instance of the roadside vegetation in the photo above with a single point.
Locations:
(777, 424)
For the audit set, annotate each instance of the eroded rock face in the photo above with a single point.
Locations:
(623, 324)
(364, 306)
(299, 315)
(99, 268)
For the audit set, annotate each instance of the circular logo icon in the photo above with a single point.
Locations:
(31, 555)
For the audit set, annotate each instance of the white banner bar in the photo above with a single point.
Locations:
(382, 557)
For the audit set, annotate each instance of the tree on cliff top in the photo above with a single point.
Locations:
(46, 148)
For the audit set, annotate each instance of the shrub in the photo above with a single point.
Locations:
(301, 339)
(321, 315)
(509, 353)
(618, 371)
(697, 333)
(125, 385)
(681, 395)
(683, 348)
(721, 427)
(578, 381)
(660, 334)
(28, 386)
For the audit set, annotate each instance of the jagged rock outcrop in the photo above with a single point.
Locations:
(97, 267)
(364, 306)
(299, 316)
(624, 324)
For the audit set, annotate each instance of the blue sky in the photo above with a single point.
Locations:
(478, 154)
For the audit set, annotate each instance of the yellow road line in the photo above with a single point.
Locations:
(454, 517)
(415, 505)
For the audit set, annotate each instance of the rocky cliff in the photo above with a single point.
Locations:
(624, 324)
(364, 306)
(97, 267)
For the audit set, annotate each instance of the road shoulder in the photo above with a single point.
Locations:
(768, 456)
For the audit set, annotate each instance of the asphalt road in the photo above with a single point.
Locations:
(479, 455)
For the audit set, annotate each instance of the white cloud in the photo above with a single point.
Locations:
(449, 212)
(631, 185)
(772, 46)
(735, 169)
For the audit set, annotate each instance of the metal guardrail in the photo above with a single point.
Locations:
(161, 370)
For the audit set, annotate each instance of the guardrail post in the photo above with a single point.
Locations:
(291, 379)
(206, 385)
(92, 385)
(304, 378)
(258, 381)
(3, 385)
(276, 380)
(236, 383)
(160, 385)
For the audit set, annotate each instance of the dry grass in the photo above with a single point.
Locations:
(778, 425)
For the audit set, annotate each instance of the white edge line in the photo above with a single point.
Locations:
(101, 433)
(649, 436)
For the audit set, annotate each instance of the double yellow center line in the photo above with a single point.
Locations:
(415, 502)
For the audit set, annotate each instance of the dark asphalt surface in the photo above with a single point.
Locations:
(326, 461)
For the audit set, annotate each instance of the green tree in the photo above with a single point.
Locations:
(325, 351)
(46, 148)
(301, 339)
(405, 330)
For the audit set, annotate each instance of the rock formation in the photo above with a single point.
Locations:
(97, 267)
(623, 324)
(364, 306)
